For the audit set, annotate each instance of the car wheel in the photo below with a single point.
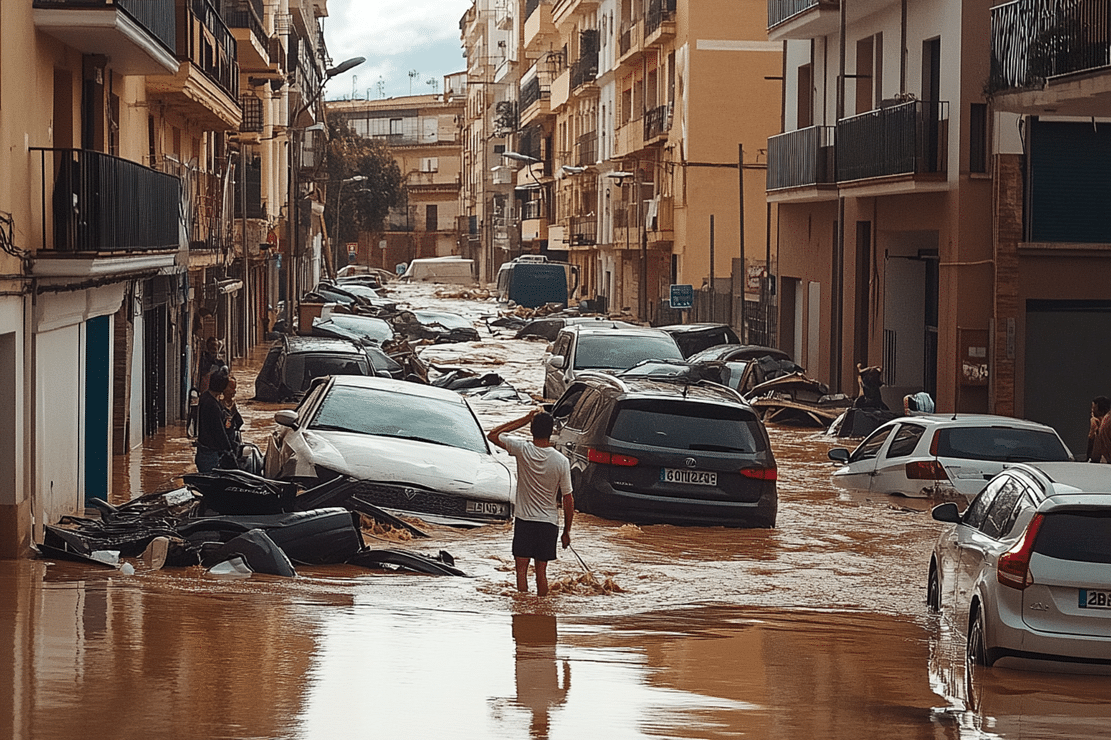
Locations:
(976, 650)
(933, 590)
(582, 502)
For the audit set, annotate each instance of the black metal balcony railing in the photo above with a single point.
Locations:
(252, 113)
(587, 149)
(1034, 40)
(94, 202)
(205, 41)
(531, 5)
(584, 70)
(247, 15)
(623, 214)
(657, 122)
(783, 10)
(253, 186)
(800, 158)
(532, 91)
(903, 139)
(658, 12)
(158, 17)
(584, 230)
(308, 73)
(627, 38)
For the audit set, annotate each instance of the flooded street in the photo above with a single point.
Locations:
(817, 628)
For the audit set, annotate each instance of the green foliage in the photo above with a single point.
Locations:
(364, 203)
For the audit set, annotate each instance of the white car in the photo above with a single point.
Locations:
(418, 449)
(1025, 572)
(943, 455)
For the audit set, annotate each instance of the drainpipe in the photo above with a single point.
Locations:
(836, 299)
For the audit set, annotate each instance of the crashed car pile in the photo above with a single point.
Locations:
(236, 523)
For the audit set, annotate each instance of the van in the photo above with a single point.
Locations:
(532, 281)
(452, 269)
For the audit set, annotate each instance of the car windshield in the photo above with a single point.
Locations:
(617, 352)
(682, 425)
(1080, 536)
(1006, 444)
(388, 413)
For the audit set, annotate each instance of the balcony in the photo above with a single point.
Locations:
(629, 138)
(657, 123)
(583, 72)
(245, 21)
(802, 19)
(540, 31)
(906, 139)
(801, 159)
(206, 86)
(534, 97)
(103, 215)
(1048, 56)
(628, 42)
(138, 35)
(659, 22)
(584, 231)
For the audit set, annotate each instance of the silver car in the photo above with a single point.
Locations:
(943, 455)
(1025, 572)
(604, 348)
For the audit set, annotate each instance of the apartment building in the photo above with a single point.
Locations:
(884, 195)
(1050, 137)
(116, 225)
(423, 133)
(630, 121)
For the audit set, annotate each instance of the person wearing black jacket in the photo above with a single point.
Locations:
(213, 440)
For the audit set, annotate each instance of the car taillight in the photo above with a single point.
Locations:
(926, 470)
(606, 458)
(760, 473)
(934, 443)
(1013, 569)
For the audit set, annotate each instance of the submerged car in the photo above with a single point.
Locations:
(694, 338)
(746, 366)
(586, 347)
(943, 455)
(294, 362)
(1025, 571)
(416, 449)
(665, 450)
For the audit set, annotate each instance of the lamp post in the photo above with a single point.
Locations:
(642, 292)
(294, 185)
(335, 232)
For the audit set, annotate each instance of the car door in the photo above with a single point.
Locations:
(572, 412)
(890, 475)
(857, 473)
(980, 533)
(556, 378)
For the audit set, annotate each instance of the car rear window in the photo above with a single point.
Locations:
(300, 369)
(1080, 536)
(616, 352)
(1000, 443)
(687, 426)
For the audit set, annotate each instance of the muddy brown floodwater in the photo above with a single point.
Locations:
(816, 629)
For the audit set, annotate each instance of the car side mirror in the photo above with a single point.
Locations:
(557, 361)
(286, 418)
(947, 512)
(839, 454)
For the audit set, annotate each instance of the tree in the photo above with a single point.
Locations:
(364, 203)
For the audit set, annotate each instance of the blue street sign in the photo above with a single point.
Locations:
(682, 296)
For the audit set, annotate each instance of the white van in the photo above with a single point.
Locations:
(454, 269)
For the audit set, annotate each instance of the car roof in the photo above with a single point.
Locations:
(1068, 479)
(644, 331)
(646, 387)
(748, 351)
(298, 343)
(970, 420)
(399, 386)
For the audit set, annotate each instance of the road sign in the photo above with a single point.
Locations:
(682, 296)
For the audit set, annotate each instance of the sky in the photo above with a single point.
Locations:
(397, 37)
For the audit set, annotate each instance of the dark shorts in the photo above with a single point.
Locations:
(534, 540)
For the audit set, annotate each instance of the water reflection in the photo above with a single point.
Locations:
(542, 681)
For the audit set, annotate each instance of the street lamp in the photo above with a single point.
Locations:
(335, 232)
(642, 293)
(294, 186)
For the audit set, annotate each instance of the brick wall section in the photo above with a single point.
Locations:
(121, 377)
(1008, 199)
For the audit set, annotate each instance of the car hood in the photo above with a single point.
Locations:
(391, 460)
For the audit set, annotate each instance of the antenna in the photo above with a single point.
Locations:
(413, 74)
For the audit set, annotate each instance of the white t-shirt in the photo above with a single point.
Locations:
(543, 473)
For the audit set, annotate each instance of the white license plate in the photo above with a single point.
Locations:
(1090, 599)
(693, 477)
(490, 508)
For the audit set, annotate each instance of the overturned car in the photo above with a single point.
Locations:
(413, 448)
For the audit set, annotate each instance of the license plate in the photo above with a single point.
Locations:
(489, 508)
(1090, 599)
(693, 477)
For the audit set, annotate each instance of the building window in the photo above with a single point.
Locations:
(430, 164)
(978, 138)
(431, 217)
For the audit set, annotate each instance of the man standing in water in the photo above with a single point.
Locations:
(543, 482)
